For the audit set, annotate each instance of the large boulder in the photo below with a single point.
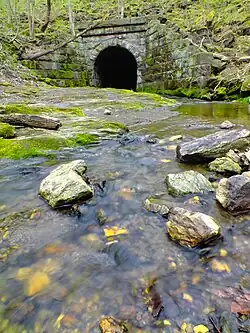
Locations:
(234, 193)
(224, 165)
(187, 182)
(191, 228)
(65, 185)
(212, 146)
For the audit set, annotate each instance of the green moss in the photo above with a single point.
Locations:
(33, 147)
(28, 109)
(191, 92)
(153, 97)
(6, 131)
(100, 124)
(23, 91)
(86, 139)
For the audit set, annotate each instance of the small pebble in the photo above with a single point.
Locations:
(107, 112)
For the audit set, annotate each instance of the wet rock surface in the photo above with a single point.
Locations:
(157, 205)
(224, 165)
(187, 182)
(234, 193)
(191, 228)
(212, 146)
(65, 185)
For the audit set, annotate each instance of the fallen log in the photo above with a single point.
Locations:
(18, 119)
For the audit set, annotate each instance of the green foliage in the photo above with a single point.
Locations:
(6, 131)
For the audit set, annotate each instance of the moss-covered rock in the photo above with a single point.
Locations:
(35, 109)
(7, 131)
(33, 147)
(187, 182)
(224, 165)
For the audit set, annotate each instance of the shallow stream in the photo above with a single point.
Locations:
(85, 280)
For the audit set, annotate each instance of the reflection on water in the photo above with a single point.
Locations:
(59, 275)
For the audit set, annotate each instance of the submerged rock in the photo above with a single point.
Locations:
(156, 205)
(228, 323)
(65, 184)
(110, 325)
(224, 165)
(234, 193)
(187, 182)
(191, 228)
(212, 146)
(226, 125)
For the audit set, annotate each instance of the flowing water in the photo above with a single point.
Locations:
(85, 278)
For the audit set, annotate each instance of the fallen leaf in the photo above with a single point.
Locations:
(166, 322)
(58, 320)
(196, 279)
(56, 248)
(223, 252)
(35, 215)
(171, 147)
(115, 231)
(68, 321)
(218, 266)
(126, 193)
(166, 161)
(187, 297)
(201, 329)
(241, 304)
(36, 283)
(23, 273)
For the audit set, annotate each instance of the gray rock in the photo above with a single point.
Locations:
(224, 165)
(212, 146)
(156, 205)
(187, 182)
(228, 323)
(234, 193)
(191, 228)
(226, 125)
(65, 184)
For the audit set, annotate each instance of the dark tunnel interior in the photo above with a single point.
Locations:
(116, 67)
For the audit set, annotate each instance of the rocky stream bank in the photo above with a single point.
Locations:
(142, 222)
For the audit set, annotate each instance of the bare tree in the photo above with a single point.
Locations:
(45, 26)
(121, 8)
(31, 17)
(71, 18)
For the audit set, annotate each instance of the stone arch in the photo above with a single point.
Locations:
(116, 67)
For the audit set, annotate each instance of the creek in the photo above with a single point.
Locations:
(86, 282)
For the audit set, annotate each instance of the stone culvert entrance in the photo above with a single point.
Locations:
(116, 67)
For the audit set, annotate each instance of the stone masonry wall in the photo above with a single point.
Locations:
(173, 62)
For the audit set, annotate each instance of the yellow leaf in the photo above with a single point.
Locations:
(23, 273)
(173, 265)
(223, 252)
(166, 322)
(115, 231)
(37, 282)
(166, 161)
(58, 320)
(5, 235)
(218, 266)
(187, 297)
(171, 147)
(196, 279)
(201, 329)
(184, 327)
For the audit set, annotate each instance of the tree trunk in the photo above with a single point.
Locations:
(45, 26)
(31, 17)
(121, 8)
(18, 119)
(71, 19)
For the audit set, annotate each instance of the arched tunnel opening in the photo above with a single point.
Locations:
(116, 67)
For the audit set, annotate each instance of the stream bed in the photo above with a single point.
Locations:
(68, 248)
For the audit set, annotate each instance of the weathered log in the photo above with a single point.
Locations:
(18, 119)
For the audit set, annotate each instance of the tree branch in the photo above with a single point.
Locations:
(33, 56)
